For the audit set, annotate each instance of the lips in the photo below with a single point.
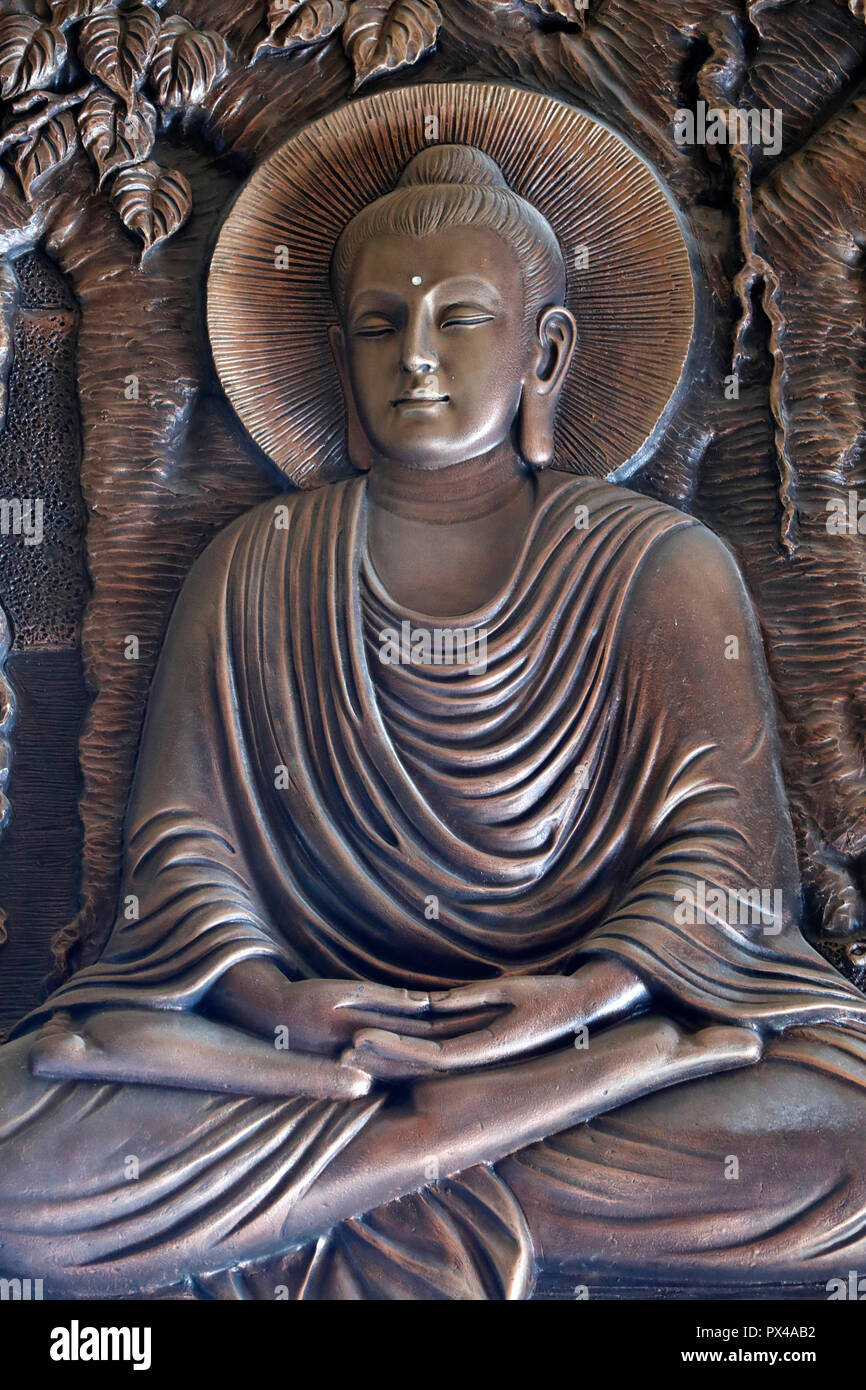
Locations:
(425, 398)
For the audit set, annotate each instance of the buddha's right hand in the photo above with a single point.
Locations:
(319, 1016)
(324, 1015)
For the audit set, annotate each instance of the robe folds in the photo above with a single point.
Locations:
(598, 785)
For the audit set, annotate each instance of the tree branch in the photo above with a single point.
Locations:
(26, 130)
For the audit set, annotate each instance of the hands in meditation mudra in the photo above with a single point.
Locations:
(409, 1006)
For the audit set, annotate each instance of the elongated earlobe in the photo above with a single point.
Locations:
(535, 431)
(357, 443)
(556, 337)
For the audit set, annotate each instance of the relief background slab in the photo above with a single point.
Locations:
(134, 489)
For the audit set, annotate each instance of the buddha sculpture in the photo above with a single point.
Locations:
(432, 977)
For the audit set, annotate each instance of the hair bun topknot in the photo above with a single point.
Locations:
(460, 164)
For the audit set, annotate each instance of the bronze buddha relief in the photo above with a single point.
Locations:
(430, 973)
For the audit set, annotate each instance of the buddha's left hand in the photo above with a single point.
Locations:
(527, 1013)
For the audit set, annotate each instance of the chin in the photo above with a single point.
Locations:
(425, 453)
(429, 451)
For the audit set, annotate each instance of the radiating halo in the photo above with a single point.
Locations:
(629, 279)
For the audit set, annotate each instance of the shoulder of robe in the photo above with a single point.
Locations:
(600, 496)
(225, 559)
(687, 575)
(210, 570)
(689, 586)
(691, 556)
(202, 595)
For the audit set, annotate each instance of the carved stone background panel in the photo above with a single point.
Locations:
(127, 129)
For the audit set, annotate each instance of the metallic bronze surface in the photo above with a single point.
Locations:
(625, 263)
(459, 939)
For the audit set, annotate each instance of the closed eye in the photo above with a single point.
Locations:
(374, 327)
(465, 317)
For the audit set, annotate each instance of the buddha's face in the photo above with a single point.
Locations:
(435, 344)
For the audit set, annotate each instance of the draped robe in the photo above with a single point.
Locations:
(419, 825)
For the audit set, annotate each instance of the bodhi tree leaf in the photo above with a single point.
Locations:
(31, 54)
(65, 12)
(295, 24)
(186, 63)
(153, 202)
(381, 36)
(114, 137)
(117, 45)
(50, 147)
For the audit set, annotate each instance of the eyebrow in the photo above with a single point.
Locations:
(457, 287)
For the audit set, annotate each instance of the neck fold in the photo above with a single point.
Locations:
(461, 492)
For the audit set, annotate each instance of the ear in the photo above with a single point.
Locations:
(357, 443)
(555, 341)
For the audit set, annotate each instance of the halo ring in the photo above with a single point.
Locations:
(629, 277)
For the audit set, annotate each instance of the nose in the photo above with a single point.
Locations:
(417, 357)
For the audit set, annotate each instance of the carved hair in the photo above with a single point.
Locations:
(449, 186)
